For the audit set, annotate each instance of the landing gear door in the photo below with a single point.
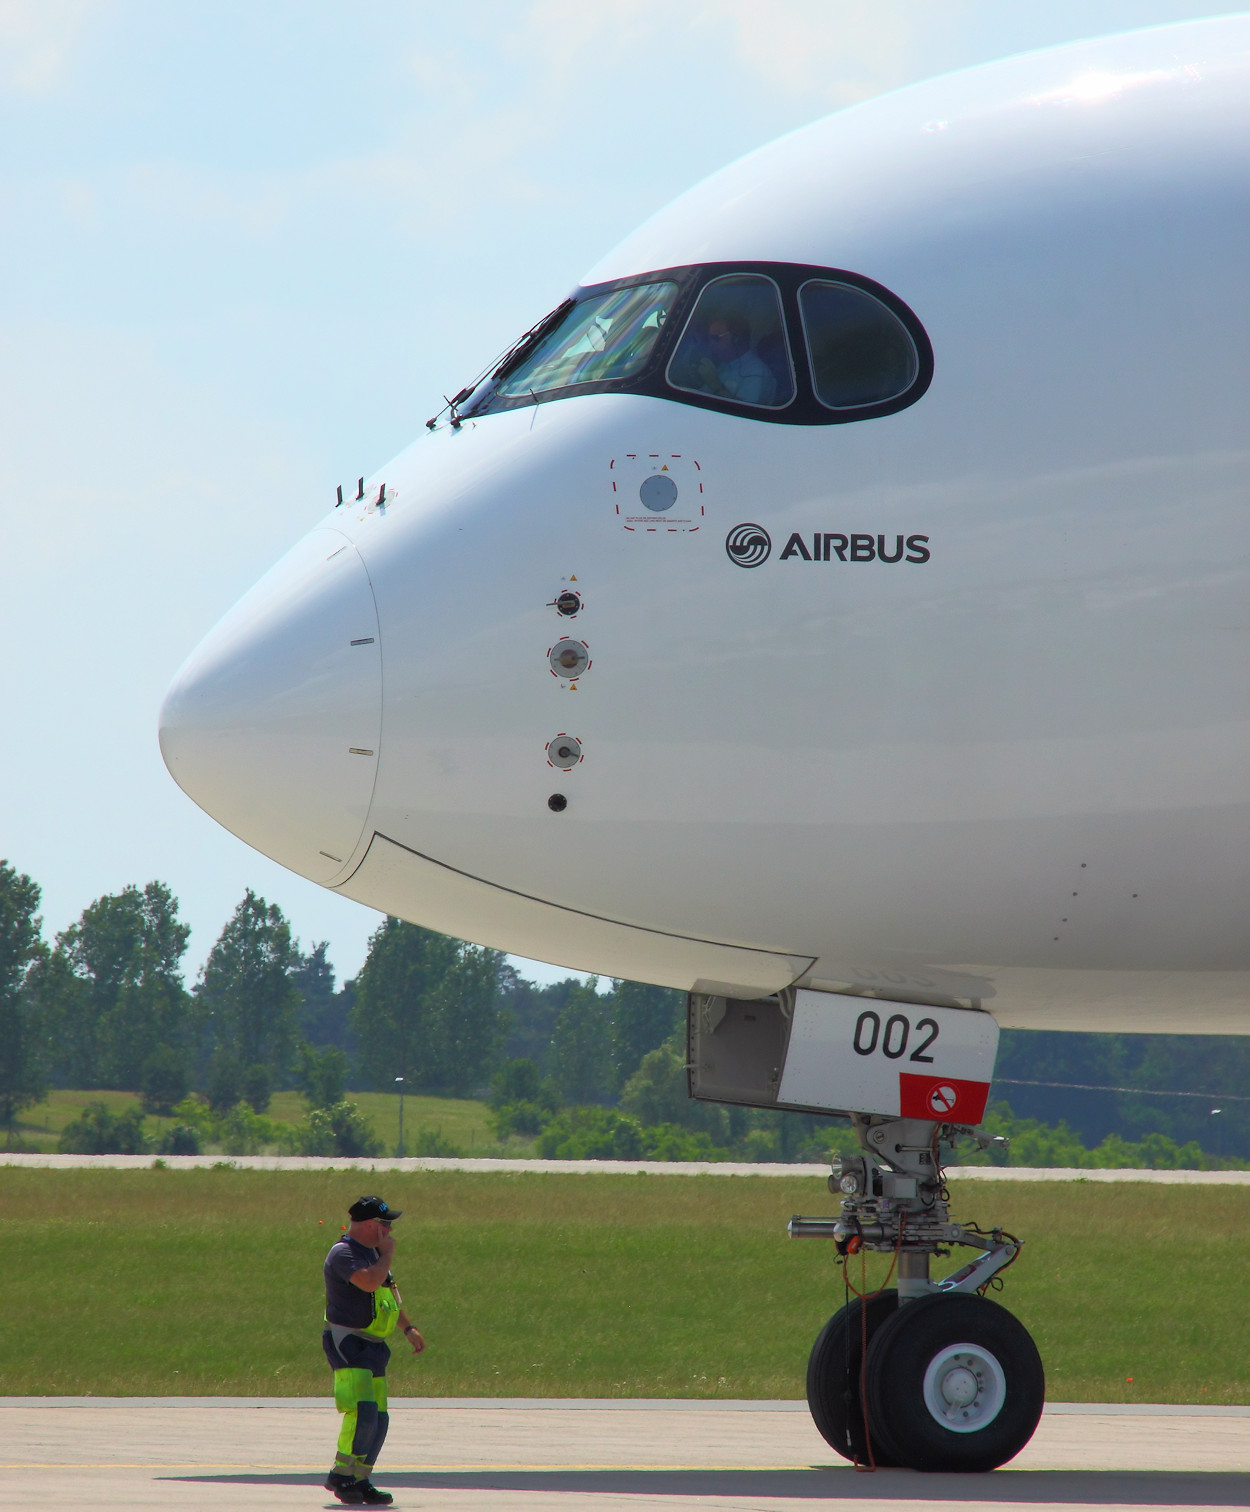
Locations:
(736, 1048)
(822, 1052)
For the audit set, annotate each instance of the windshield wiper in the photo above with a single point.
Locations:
(502, 366)
(514, 358)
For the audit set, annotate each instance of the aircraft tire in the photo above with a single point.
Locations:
(953, 1382)
(832, 1390)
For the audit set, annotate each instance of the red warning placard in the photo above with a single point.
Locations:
(942, 1097)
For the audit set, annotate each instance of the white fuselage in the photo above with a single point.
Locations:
(1015, 774)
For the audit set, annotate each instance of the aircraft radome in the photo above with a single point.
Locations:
(836, 609)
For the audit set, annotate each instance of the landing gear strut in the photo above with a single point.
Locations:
(949, 1380)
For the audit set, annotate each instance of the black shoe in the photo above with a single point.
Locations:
(371, 1496)
(347, 1488)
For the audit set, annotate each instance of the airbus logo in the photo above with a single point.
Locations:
(748, 545)
(835, 545)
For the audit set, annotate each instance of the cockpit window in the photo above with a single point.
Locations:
(860, 352)
(771, 342)
(734, 344)
(608, 336)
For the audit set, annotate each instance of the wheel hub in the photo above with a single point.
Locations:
(964, 1388)
(960, 1386)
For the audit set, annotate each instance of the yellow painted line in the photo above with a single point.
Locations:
(476, 1468)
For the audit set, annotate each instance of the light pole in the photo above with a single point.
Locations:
(399, 1082)
(1219, 1133)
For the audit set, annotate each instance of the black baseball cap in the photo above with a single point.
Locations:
(372, 1207)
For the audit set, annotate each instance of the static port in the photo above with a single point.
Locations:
(557, 803)
(568, 658)
(565, 751)
(568, 603)
(658, 492)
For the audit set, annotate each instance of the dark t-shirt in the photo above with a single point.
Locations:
(347, 1305)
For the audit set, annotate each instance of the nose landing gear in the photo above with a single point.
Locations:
(933, 1375)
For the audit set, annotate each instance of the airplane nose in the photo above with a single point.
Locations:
(274, 722)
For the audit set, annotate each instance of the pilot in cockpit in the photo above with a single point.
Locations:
(732, 368)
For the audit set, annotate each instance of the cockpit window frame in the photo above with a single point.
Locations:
(787, 343)
(806, 325)
(805, 408)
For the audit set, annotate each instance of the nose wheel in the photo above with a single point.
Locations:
(835, 1370)
(950, 1382)
(953, 1383)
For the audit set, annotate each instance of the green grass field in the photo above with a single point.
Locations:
(155, 1282)
(460, 1121)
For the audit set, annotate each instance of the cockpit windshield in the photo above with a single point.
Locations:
(604, 337)
(783, 342)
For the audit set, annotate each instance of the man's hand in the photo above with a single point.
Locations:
(411, 1332)
(370, 1277)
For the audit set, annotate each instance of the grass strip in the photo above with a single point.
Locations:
(460, 1121)
(208, 1282)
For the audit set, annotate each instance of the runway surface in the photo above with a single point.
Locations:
(382, 1164)
(508, 1456)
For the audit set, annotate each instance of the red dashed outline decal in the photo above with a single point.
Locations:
(656, 529)
(564, 735)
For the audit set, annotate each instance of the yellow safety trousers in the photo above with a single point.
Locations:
(351, 1389)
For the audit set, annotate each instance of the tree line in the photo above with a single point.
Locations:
(106, 1005)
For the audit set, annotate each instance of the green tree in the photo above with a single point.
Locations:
(530, 1013)
(112, 990)
(592, 1134)
(669, 1142)
(1033, 1143)
(224, 1083)
(257, 1087)
(473, 1022)
(658, 1093)
(323, 1011)
(1130, 1085)
(179, 1139)
(99, 1131)
(515, 1079)
(247, 1002)
(22, 1074)
(643, 1018)
(64, 1002)
(605, 1134)
(521, 1101)
(434, 1143)
(581, 1046)
(242, 1131)
(164, 1081)
(322, 1074)
(338, 1130)
(428, 1009)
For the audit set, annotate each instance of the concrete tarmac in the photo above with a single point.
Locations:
(383, 1165)
(101, 1455)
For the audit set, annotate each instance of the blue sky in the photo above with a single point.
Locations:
(246, 247)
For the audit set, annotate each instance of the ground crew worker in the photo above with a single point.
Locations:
(363, 1307)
